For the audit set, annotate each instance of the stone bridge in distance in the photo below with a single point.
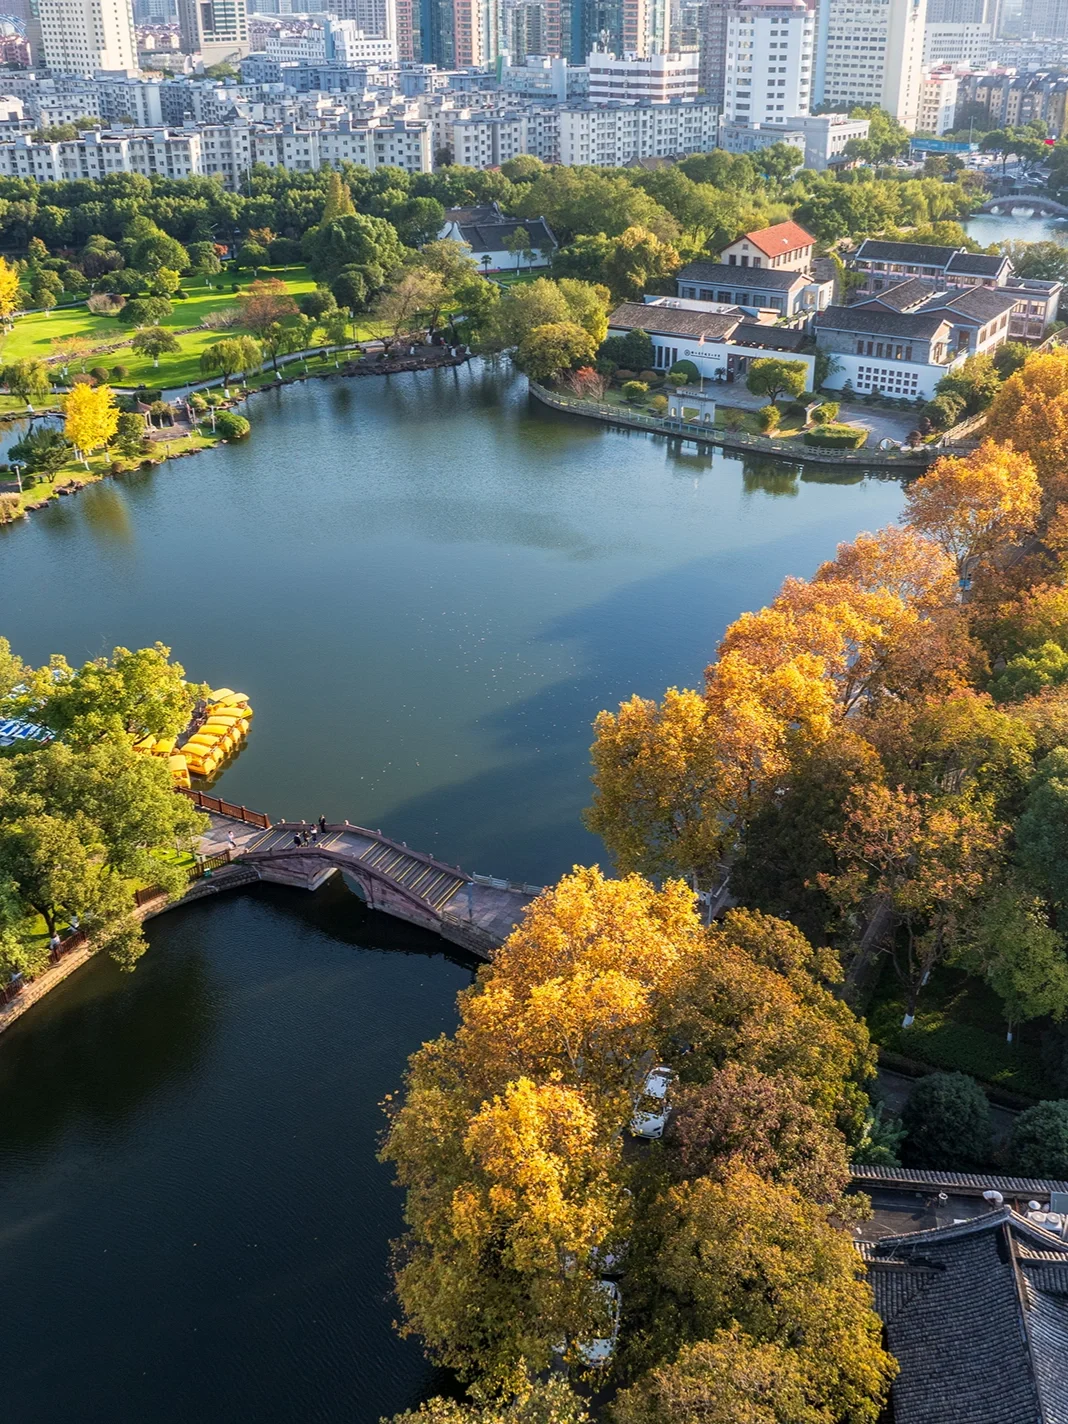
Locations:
(475, 912)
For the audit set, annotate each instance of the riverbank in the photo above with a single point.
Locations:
(736, 441)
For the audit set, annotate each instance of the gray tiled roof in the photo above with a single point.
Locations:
(979, 303)
(479, 213)
(772, 338)
(903, 295)
(673, 321)
(879, 322)
(976, 264)
(491, 236)
(741, 276)
(916, 254)
(923, 1178)
(980, 1337)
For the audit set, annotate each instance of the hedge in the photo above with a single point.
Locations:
(836, 437)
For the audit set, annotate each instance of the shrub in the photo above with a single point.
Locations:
(635, 391)
(835, 437)
(179, 296)
(947, 1123)
(147, 396)
(944, 410)
(119, 373)
(651, 378)
(1039, 1145)
(622, 374)
(827, 412)
(768, 418)
(659, 404)
(197, 402)
(230, 426)
(635, 350)
(797, 410)
(685, 373)
(10, 508)
(106, 303)
(100, 374)
(222, 319)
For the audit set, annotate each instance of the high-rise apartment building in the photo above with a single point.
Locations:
(215, 29)
(457, 34)
(871, 52)
(659, 77)
(713, 49)
(82, 36)
(1045, 19)
(965, 45)
(769, 59)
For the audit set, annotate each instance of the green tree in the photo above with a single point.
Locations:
(130, 434)
(154, 341)
(232, 354)
(145, 311)
(43, 451)
(1042, 829)
(518, 244)
(769, 376)
(632, 352)
(1015, 949)
(1039, 1144)
(947, 1122)
(549, 350)
(638, 262)
(355, 240)
(131, 693)
(29, 380)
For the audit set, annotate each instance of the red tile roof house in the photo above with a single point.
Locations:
(786, 247)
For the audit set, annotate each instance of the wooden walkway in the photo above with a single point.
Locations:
(477, 912)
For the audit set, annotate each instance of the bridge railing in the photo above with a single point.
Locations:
(226, 808)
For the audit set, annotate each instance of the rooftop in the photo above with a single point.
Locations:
(916, 253)
(762, 277)
(674, 321)
(491, 236)
(782, 237)
(871, 317)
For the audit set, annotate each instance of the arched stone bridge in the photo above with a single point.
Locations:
(476, 912)
(1041, 207)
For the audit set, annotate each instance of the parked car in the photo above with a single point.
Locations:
(651, 1111)
(600, 1350)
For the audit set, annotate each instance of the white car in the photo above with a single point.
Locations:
(600, 1350)
(651, 1112)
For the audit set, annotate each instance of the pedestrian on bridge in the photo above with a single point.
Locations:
(322, 825)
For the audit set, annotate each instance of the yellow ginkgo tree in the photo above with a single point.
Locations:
(91, 418)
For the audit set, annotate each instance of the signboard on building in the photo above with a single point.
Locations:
(942, 145)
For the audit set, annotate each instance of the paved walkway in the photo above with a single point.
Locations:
(881, 424)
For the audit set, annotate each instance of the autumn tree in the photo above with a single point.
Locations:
(1030, 413)
(744, 1254)
(91, 418)
(730, 1379)
(9, 291)
(266, 301)
(919, 861)
(551, 1401)
(975, 506)
(762, 1121)
(339, 202)
(411, 300)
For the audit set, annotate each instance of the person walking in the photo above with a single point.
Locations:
(322, 825)
(231, 840)
(296, 838)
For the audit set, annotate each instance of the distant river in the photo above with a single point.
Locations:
(986, 228)
(428, 587)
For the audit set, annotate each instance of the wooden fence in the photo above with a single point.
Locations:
(226, 808)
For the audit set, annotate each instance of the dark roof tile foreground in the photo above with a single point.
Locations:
(674, 321)
(874, 317)
(491, 236)
(922, 1179)
(741, 276)
(976, 1314)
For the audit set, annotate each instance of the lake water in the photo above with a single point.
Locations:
(428, 587)
(987, 228)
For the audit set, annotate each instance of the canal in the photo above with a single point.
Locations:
(428, 588)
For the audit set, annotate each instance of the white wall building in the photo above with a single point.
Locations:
(340, 40)
(82, 36)
(614, 134)
(871, 52)
(769, 61)
(965, 45)
(938, 102)
(658, 77)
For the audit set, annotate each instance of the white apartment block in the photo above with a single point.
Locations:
(938, 102)
(226, 151)
(966, 46)
(769, 61)
(871, 52)
(340, 40)
(374, 17)
(82, 36)
(658, 77)
(614, 134)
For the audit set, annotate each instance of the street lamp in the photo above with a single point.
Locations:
(16, 465)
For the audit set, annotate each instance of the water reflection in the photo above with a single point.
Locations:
(106, 514)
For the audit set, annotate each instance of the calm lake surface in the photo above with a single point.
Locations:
(428, 588)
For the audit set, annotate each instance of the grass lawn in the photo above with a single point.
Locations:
(959, 1026)
(33, 335)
